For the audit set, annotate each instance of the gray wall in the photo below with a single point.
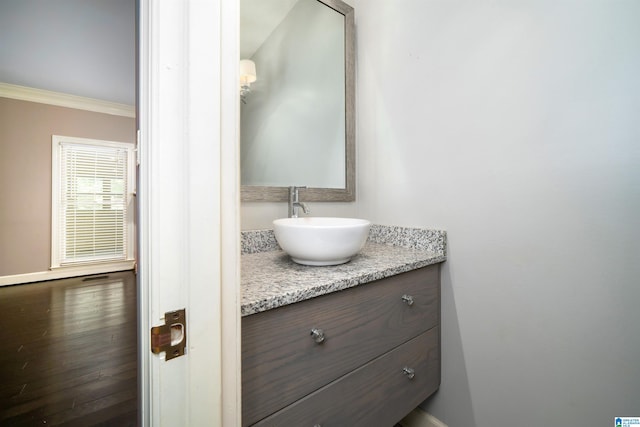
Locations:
(514, 126)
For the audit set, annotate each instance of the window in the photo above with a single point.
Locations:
(92, 214)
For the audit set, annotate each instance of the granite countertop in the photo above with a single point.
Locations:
(269, 279)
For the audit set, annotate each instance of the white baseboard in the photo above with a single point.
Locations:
(420, 418)
(64, 273)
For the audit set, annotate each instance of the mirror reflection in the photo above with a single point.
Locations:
(294, 115)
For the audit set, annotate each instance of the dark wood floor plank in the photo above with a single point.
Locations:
(69, 352)
(120, 415)
(62, 406)
(70, 383)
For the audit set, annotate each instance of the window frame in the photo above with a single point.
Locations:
(57, 256)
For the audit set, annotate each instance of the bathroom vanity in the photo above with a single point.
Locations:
(356, 344)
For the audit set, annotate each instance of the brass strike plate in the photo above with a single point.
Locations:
(172, 336)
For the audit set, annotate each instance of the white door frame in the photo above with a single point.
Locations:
(189, 208)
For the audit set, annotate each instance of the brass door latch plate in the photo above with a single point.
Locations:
(172, 336)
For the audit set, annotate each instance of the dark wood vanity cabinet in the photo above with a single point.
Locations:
(364, 356)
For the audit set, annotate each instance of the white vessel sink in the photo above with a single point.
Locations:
(320, 240)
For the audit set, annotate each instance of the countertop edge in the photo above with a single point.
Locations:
(298, 295)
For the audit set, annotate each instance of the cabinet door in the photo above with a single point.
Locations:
(380, 393)
(281, 362)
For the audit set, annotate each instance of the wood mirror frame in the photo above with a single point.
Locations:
(250, 193)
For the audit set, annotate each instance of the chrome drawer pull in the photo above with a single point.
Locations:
(409, 372)
(318, 335)
(407, 299)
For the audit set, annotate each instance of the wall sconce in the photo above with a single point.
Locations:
(247, 76)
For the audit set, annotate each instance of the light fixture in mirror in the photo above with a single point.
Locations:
(248, 75)
(298, 129)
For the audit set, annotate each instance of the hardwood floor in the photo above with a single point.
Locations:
(69, 352)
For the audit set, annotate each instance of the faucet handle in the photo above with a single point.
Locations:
(294, 201)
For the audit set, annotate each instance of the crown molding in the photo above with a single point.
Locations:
(41, 96)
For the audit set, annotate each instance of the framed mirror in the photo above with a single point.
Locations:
(298, 100)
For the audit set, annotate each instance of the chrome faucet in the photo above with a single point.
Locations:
(295, 203)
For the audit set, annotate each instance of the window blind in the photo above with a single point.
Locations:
(92, 216)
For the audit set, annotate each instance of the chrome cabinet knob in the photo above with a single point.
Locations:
(407, 299)
(318, 335)
(409, 372)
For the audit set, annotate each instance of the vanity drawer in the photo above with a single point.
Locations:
(282, 363)
(377, 394)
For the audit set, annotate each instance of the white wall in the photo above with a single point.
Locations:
(257, 216)
(514, 126)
